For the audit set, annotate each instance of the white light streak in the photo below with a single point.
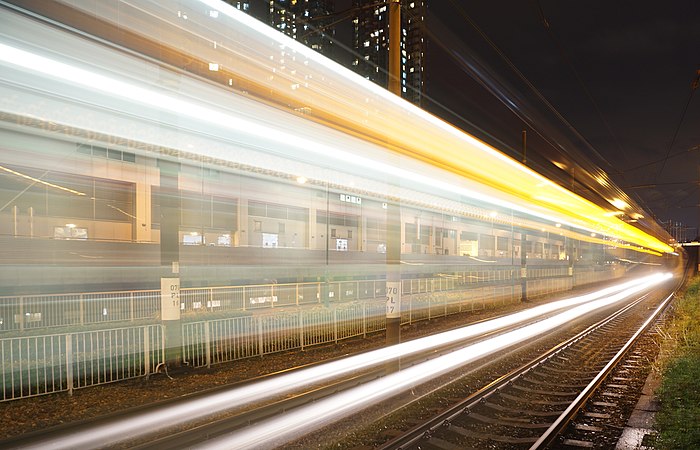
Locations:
(295, 423)
(258, 129)
(142, 424)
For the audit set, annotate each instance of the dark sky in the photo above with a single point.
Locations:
(616, 74)
(620, 73)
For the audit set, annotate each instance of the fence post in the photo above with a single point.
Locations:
(297, 293)
(207, 342)
(301, 326)
(211, 299)
(272, 296)
(364, 318)
(82, 309)
(21, 313)
(131, 306)
(260, 335)
(243, 299)
(335, 324)
(69, 363)
(146, 350)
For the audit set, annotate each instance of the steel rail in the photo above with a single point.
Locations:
(265, 409)
(558, 425)
(444, 419)
(194, 435)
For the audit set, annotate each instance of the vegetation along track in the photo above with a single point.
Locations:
(530, 406)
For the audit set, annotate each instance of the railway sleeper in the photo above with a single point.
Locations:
(511, 422)
(549, 383)
(530, 412)
(542, 392)
(529, 402)
(471, 434)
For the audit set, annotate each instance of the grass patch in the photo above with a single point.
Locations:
(678, 421)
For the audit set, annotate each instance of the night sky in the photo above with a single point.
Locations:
(619, 74)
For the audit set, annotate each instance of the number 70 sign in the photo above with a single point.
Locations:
(393, 299)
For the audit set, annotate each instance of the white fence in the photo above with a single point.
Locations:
(216, 341)
(26, 312)
(37, 365)
(222, 340)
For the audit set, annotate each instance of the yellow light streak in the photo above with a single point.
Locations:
(36, 180)
(339, 98)
(415, 133)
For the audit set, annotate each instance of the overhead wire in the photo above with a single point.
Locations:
(345, 15)
(508, 62)
(693, 88)
(567, 60)
(525, 80)
(656, 161)
(539, 95)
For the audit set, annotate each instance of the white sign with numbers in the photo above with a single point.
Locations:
(170, 298)
(393, 299)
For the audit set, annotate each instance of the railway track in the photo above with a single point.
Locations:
(215, 415)
(532, 406)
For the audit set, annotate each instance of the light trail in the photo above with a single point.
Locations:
(527, 192)
(296, 423)
(257, 129)
(145, 423)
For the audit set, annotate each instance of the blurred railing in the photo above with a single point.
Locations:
(27, 312)
(222, 340)
(37, 365)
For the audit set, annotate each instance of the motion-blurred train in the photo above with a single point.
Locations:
(138, 141)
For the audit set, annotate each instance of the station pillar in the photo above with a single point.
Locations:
(393, 275)
(169, 200)
(523, 265)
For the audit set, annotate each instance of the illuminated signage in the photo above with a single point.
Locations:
(350, 199)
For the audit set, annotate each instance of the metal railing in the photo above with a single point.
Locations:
(221, 340)
(27, 312)
(37, 365)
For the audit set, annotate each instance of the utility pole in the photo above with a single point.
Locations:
(523, 239)
(393, 210)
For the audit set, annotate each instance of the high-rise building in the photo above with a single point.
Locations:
(312, 22)
(371, 42)
(307, 21)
